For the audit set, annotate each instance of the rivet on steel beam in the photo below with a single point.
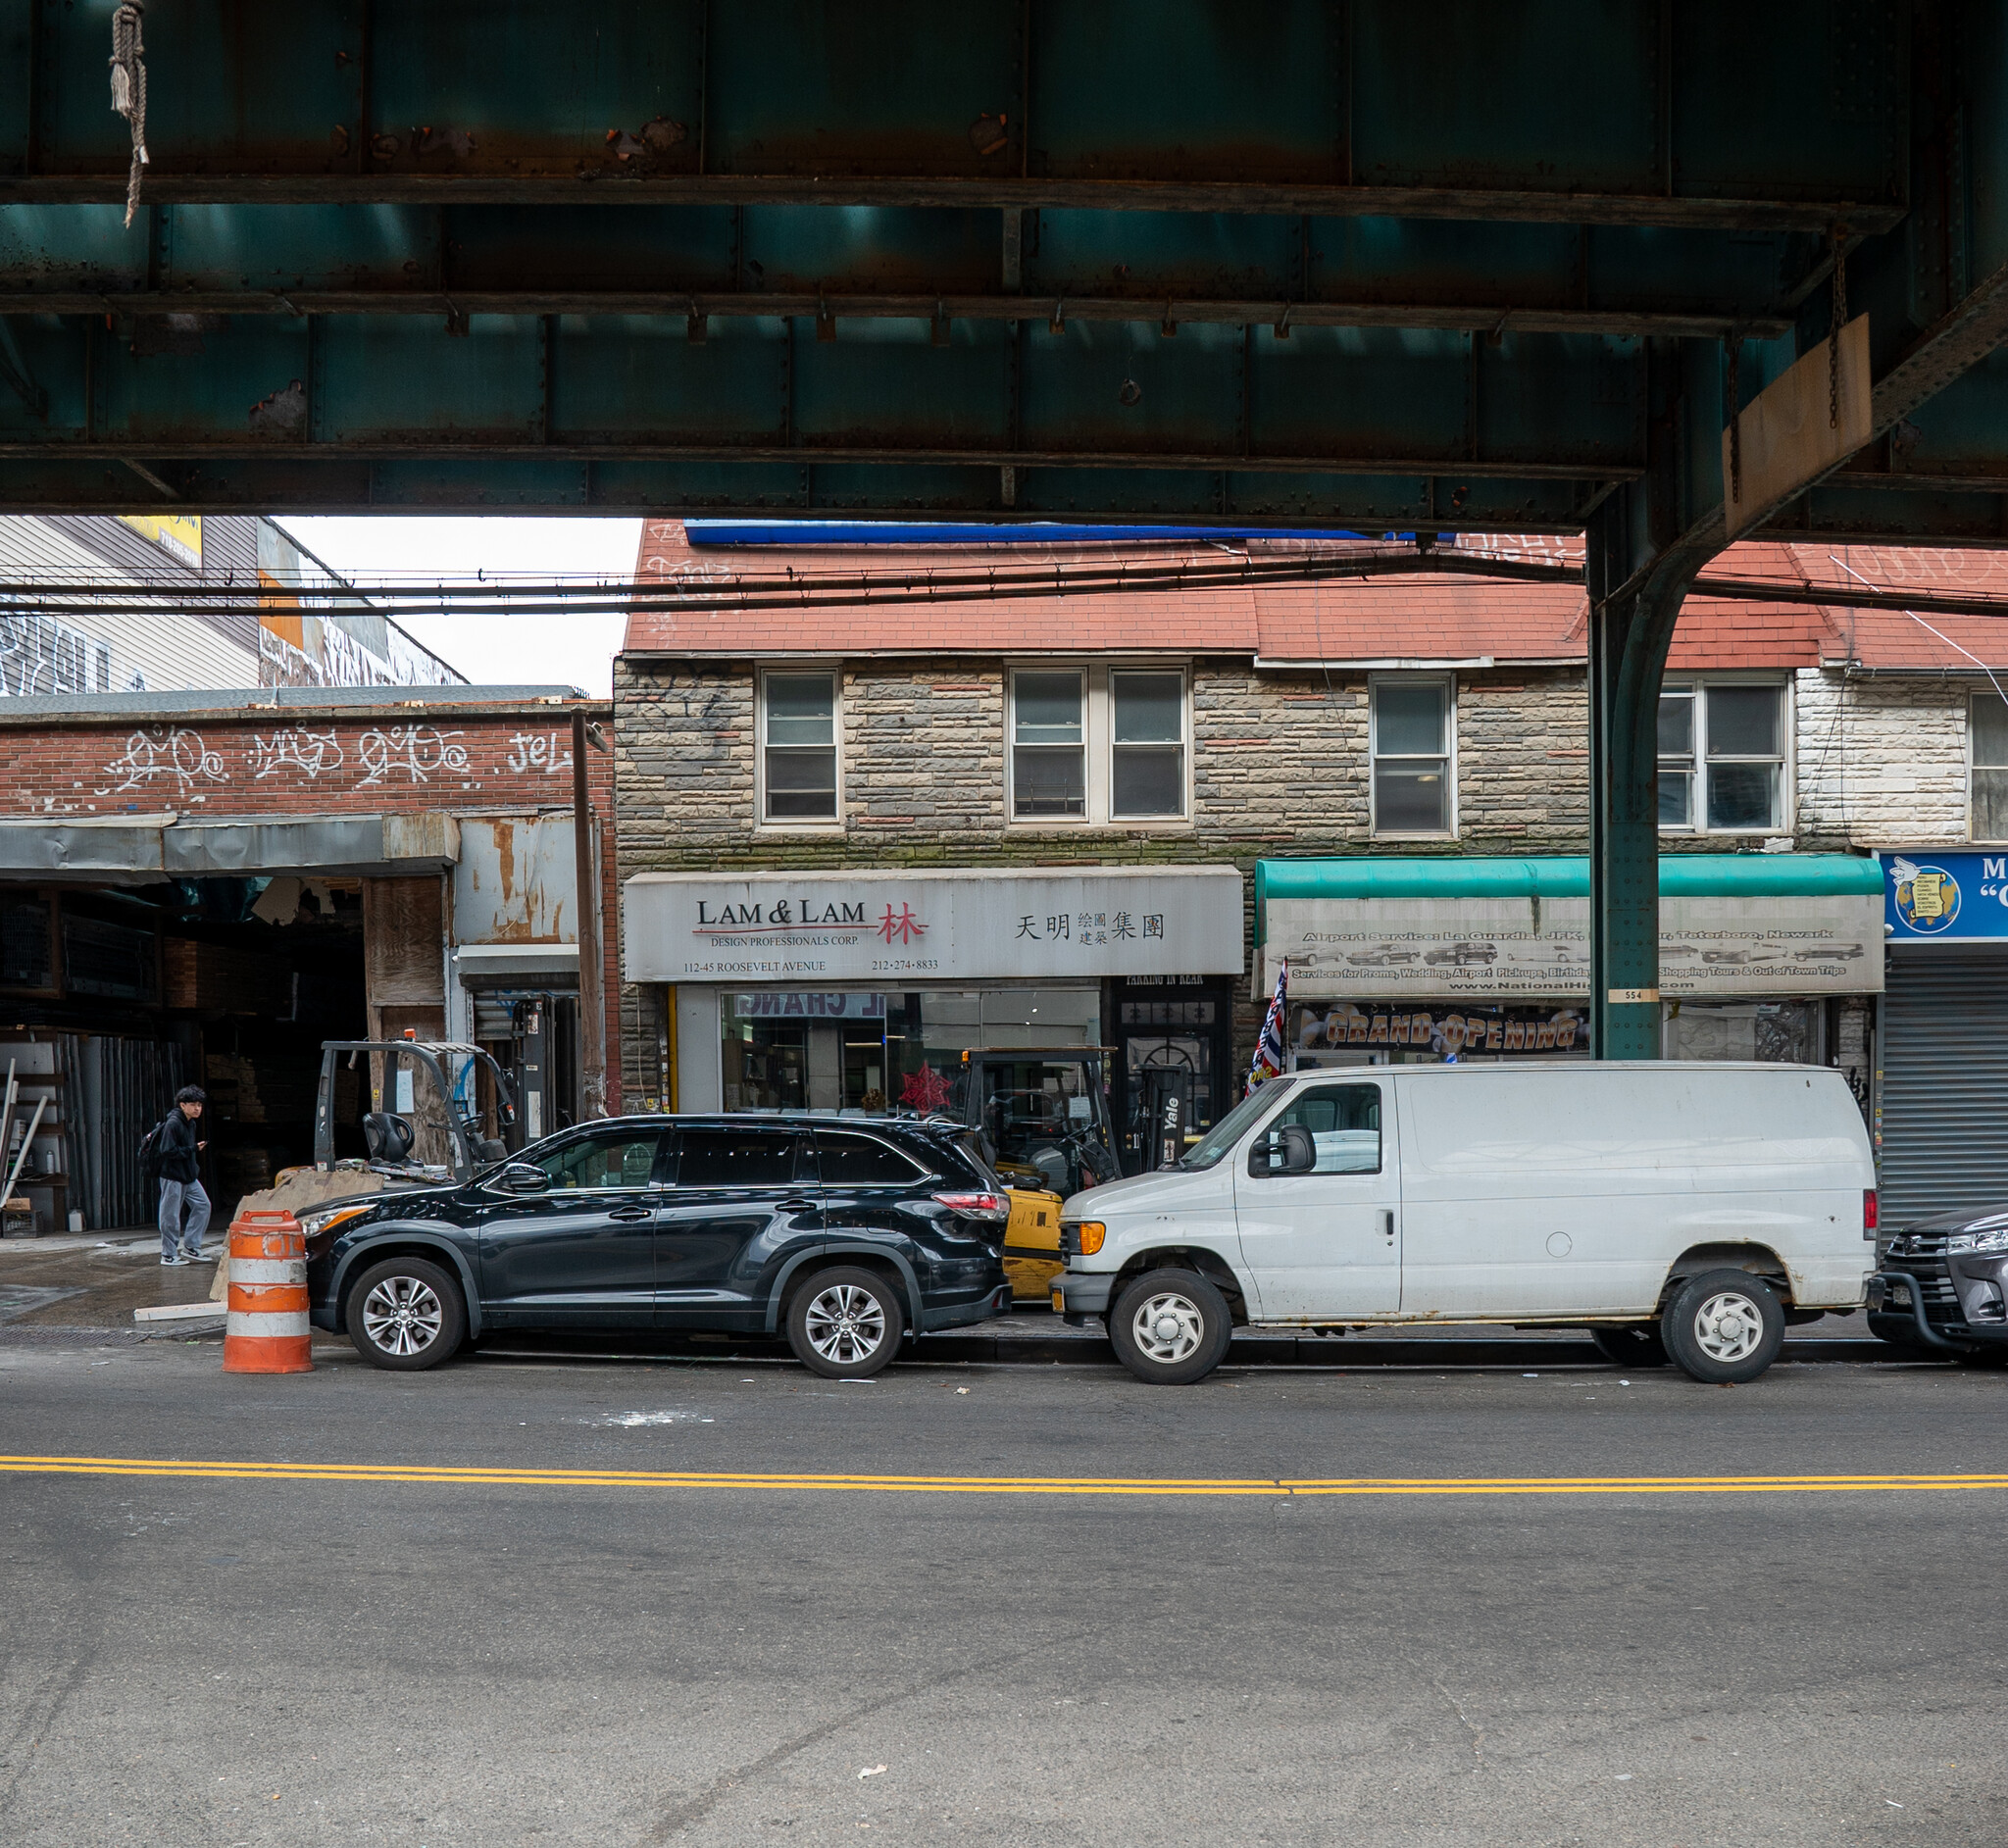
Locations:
(1131, 393)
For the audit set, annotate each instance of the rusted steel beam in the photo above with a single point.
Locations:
(1482, 318)
(594, 188)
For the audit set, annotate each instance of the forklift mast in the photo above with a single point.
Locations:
(389, 1137)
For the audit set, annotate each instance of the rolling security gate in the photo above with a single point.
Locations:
(1944, 1083)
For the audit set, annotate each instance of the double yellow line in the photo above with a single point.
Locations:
(492, 1476)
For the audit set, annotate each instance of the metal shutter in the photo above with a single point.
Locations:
(1944, 1086)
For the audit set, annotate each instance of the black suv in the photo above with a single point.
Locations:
(845, 1233)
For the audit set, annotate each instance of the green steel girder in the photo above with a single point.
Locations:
(1707, 113)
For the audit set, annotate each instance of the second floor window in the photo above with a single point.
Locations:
(1147, 771)
(1989, 766)
(1412, 757)
(1048, 744)
(798, 716)
(1722, 756)
(1099, 745)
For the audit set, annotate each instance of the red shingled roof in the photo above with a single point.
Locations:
(1357, 620)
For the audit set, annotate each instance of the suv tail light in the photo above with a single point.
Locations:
(994, 1207)
(1868, 1211)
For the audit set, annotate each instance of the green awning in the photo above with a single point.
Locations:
(1558, 875)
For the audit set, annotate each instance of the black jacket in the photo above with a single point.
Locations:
(178, 1148)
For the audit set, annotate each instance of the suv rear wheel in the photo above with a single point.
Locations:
(845, 1323)
(405, 1314)
(1723, 1327)
(1170, 1327)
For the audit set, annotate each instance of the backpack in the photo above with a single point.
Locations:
(150, 1152)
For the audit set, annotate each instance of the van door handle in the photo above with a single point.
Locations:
(1388, 1222)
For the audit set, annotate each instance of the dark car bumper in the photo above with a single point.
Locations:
(1907, 1321)
(993, 1302)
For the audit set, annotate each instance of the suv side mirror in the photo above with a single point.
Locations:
(523, 1178)
(1286, 1151)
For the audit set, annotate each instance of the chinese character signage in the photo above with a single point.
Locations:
(1931, 896)
(808, 929)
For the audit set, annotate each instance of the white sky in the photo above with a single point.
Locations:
(493, 649)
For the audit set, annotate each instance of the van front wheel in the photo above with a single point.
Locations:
(1723, 1327)
(1170, 1327)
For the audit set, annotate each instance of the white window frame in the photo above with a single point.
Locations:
(1697, 822)
(1098, 738)
(1374, 682)
(1973, 833)
(796, 823)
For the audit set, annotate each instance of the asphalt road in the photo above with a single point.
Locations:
(210, 1659)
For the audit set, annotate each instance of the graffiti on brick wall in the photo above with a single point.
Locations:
(538, 751)
(414, 754)
(312, 753)
(163, 757)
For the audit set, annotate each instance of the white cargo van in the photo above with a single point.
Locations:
(1683, 1212)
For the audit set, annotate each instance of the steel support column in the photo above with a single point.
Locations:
(1645, 544)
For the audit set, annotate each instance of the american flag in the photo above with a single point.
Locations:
(1268, 1048)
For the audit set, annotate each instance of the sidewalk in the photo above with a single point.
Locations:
(77, 1287)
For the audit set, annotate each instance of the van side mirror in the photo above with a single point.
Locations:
(523, 1178)
(1286, 1151)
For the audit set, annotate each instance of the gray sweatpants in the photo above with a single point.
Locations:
(176, 1197)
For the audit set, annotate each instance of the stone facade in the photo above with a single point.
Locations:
(1881, 762)
(1280, 765)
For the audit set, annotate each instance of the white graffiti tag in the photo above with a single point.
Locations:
(537, 750)
(417, 753)
(307, 751)
(157, 756)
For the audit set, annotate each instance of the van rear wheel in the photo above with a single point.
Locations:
(1723, 1327)
(1635, 1345)
(1170, 1327)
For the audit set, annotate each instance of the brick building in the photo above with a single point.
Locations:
(206, 885)
(1427, 731)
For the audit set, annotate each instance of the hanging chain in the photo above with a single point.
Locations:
(1833, 333)
(128, 91)
(1735, 421)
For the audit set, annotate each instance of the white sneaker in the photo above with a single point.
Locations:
(173, 1264)
(193, 1257)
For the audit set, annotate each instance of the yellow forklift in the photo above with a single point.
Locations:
(1044, 1114)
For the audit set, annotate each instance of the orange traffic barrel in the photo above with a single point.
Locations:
(264, 1331)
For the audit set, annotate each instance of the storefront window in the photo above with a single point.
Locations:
(1769, 1032)
(796, 1049)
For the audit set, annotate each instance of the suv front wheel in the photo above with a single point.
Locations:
(845, 1323)
(1170, 1327)
(405, 1314)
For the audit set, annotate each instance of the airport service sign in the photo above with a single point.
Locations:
(1713, 948)
(891, 925)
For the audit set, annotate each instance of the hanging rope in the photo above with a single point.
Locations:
(128, 91)
(1833, 333)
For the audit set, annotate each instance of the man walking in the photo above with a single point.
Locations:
(182, 1193)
